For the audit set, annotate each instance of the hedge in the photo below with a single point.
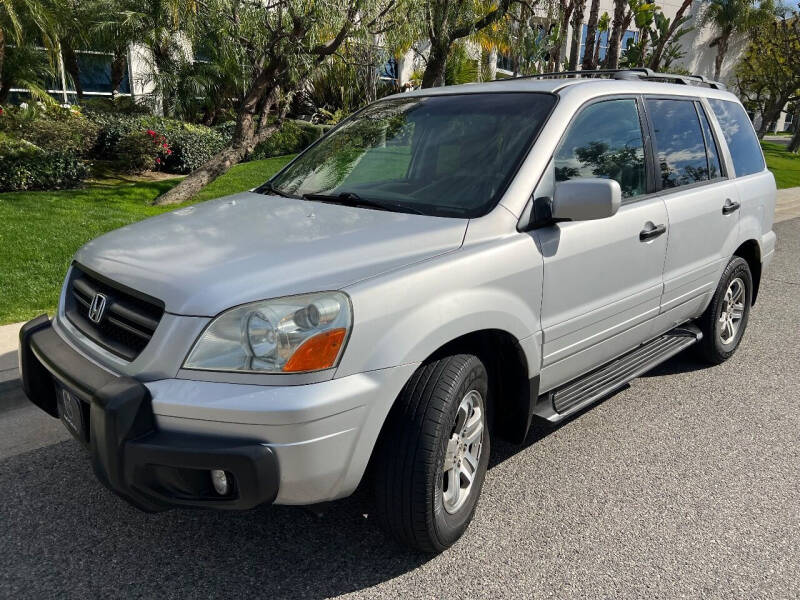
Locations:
(27, 167)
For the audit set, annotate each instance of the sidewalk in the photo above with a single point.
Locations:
(787, 207)
(788, 204)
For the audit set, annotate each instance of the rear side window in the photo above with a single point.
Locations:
(740, 137)
(714, 169)
(605, 140)
(679, 145)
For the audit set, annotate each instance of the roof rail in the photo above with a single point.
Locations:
(638, 73)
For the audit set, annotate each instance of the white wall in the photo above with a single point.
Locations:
(140, 69)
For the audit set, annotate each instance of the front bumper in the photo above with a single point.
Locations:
(150, 468)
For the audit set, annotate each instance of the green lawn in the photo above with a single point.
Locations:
(40, 231)
(783, 164)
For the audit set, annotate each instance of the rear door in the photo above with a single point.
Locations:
(702, 205)
(602, 278)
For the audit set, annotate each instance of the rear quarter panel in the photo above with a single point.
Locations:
(757, 194)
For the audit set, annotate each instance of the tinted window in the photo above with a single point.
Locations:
(740, 137)
(605, 140)
(714, 169)
(449, 155)
(680, 149)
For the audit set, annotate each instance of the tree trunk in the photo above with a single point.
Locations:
(245, 138)
(555, 60)
(591, 33)
(614, 38)
(722, 49)
(2, 53)
(768, 117)
(71, 67)
(577, 30)
(437, 64)
(216, 166)
(492, 66)
(119, 65)
(794, 145)
(5, 83)
(596, 53)
(658, 52)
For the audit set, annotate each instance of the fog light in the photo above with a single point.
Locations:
(220, 481)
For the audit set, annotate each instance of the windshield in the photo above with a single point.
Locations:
(450, 155)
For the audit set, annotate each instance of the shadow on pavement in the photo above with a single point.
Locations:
(685, 362)
(65, 535)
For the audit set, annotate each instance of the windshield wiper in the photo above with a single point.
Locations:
(268, 187)
(353, 199)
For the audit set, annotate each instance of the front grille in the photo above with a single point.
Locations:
(127, 322)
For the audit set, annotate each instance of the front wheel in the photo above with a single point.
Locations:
(724, 321)
(432, 456)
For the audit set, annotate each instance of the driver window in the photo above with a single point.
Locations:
(605, 140)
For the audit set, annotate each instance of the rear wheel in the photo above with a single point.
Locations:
(724, 321)
(432, 456)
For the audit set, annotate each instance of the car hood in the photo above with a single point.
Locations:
(202, 259)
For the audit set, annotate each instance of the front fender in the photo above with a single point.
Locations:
(406, 315)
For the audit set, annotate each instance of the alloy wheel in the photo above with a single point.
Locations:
(732, 312)
(463, 452)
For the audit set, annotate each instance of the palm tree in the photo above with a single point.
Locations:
(25, 22)
(591, 33)
(727, 17)
(602, 27)
(615, 37)
(577, 31)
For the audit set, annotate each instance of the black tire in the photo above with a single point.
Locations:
(713, 347)
(408, 470)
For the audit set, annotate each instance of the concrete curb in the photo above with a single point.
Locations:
(9, 341)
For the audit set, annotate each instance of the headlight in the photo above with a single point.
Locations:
(285, 335)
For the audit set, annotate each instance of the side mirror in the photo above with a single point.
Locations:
(584, 199)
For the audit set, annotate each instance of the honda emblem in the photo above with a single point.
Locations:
(97, 308)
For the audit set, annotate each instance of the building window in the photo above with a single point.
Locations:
(388, 70)
(94, 70)
(629, 37)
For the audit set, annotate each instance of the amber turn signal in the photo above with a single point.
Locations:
(316, 353)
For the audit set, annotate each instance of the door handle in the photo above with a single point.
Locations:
(652, 232)
(730, 207)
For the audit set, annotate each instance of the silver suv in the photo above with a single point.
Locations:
(444, 267)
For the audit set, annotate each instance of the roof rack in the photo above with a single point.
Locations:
(629, 74)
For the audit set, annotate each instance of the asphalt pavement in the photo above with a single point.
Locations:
(684, 484)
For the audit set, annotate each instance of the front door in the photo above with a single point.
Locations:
(603, 278)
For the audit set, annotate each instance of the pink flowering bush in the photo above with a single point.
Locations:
(141, 151)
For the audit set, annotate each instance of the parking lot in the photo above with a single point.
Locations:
(685, 483)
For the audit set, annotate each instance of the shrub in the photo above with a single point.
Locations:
(192, 147)
(28, 167)
(226, 129)
(74, 136)
(111, 129)
(121, 105)
(141, 151)
(52, 128)
(292, 137)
